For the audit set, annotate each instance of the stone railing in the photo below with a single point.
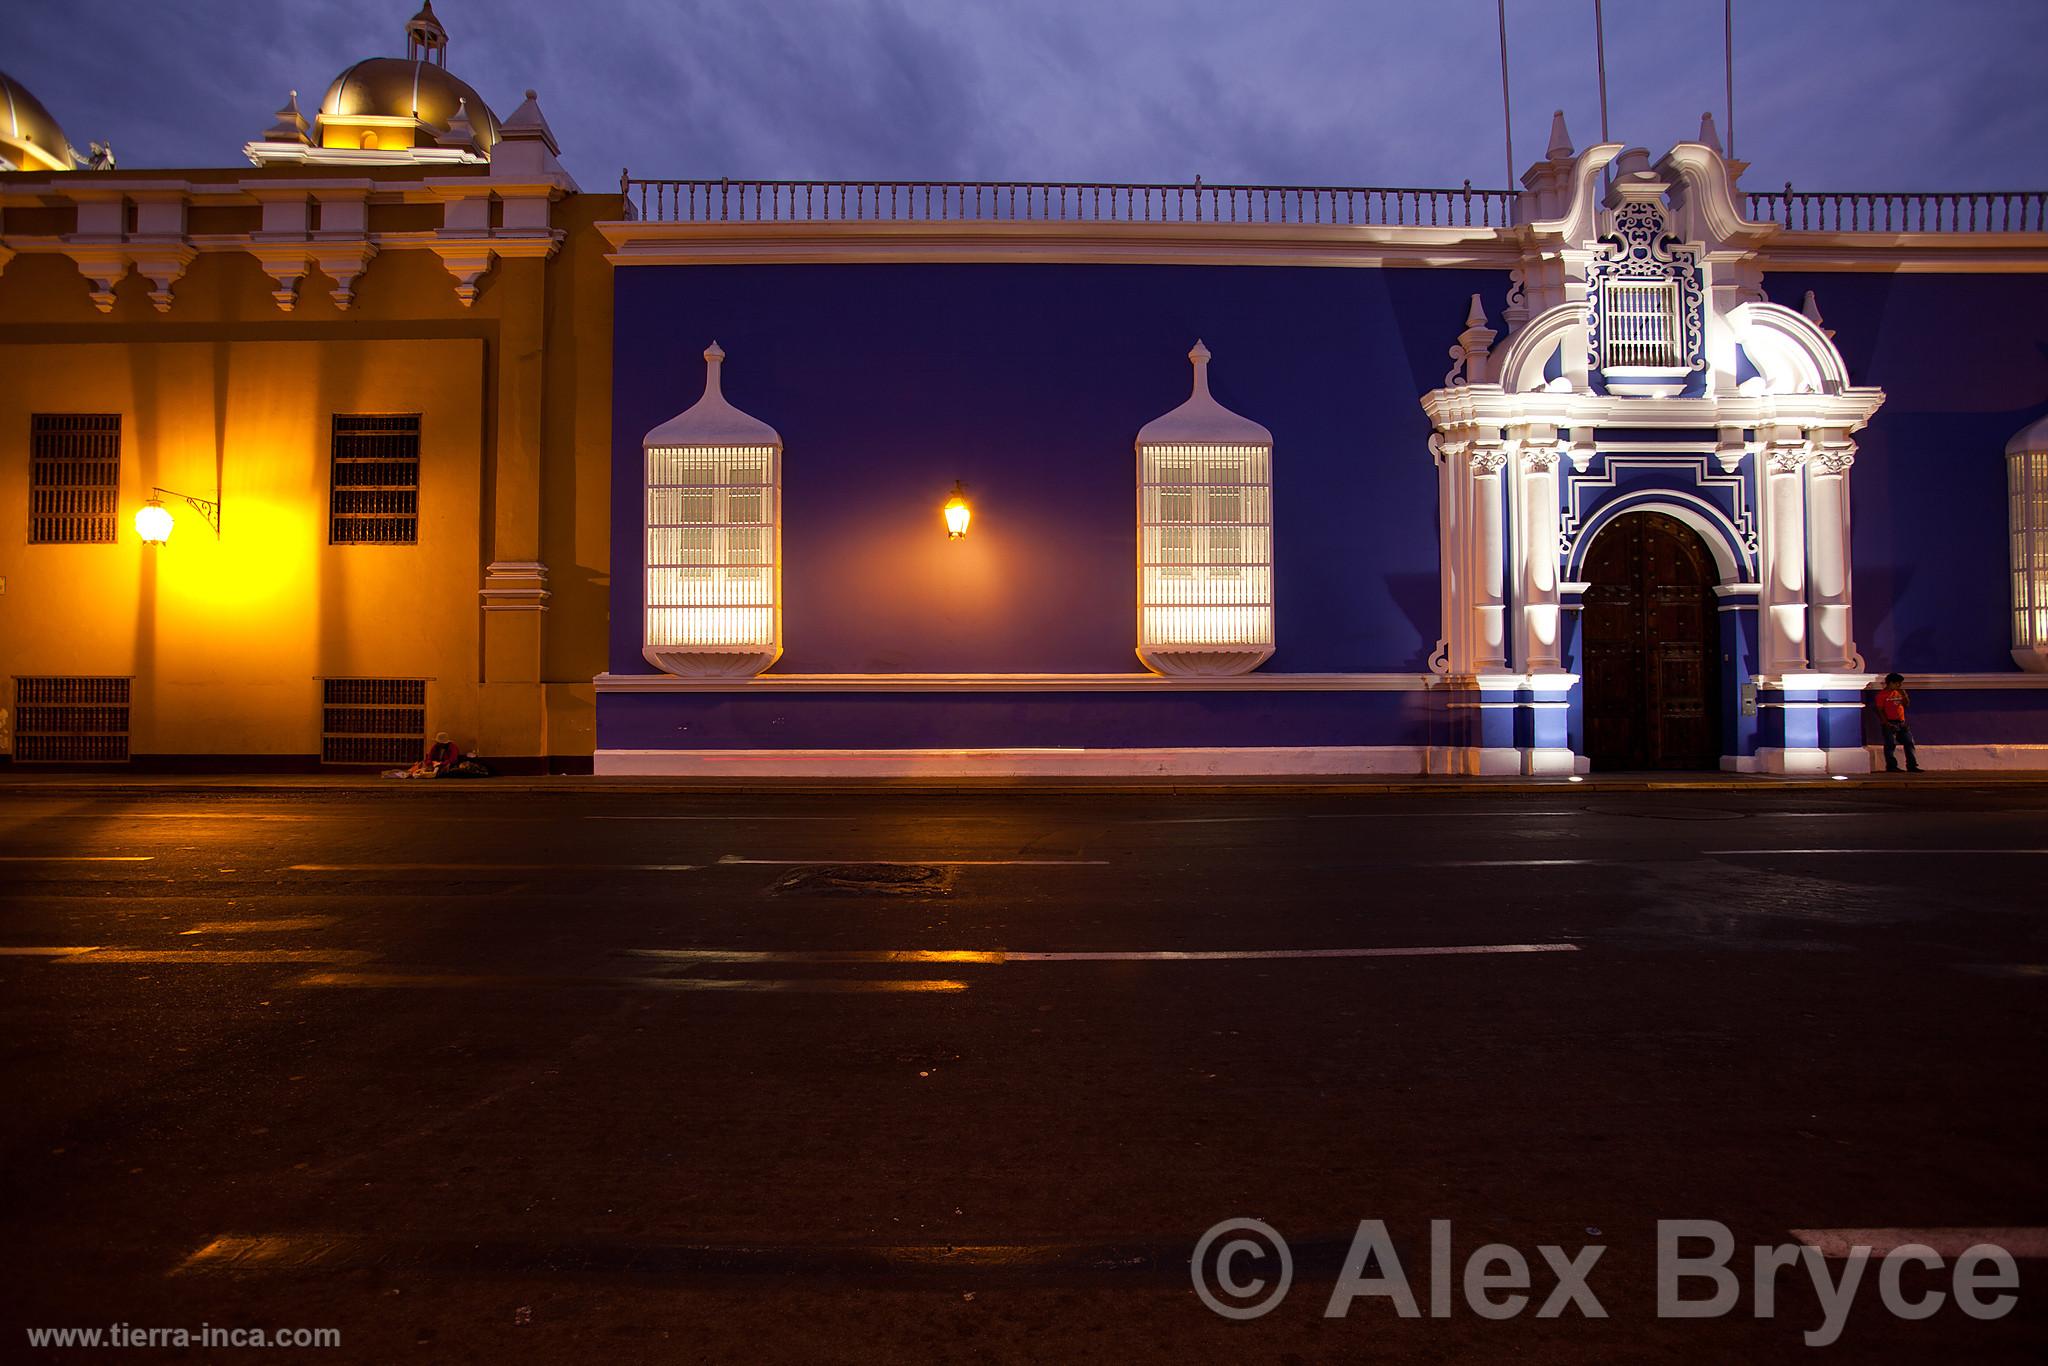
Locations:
(1830, 211)
(1002, 201)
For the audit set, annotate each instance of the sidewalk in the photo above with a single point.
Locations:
(128, 783)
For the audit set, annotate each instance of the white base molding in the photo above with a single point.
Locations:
(1475, 761)
(1250, 761)
(1547, 762)
(1969, 758)
(1771, 760)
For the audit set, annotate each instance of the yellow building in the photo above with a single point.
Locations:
(367, 377)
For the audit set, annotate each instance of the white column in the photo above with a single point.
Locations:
(1539, 648)
(1486, 570)
(1784, 557)
(1833, 648)
(1449, 654)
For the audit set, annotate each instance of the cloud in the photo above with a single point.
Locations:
(1881, 94)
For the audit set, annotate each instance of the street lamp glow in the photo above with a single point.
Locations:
(958, 514)
(153, 522)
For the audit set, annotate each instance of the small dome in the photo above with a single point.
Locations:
(1202, 421)
(30, 139)
(394, 87)
(2032, 437)
(711, 421)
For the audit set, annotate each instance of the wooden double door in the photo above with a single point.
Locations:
(1650, 641)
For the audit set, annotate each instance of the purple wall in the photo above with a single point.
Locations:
(1963, 361)
(1029, 383)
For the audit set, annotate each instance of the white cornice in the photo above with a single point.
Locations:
(1023, 682)
(637, 243)
(1483, 405)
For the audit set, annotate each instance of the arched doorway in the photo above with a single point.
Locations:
(1651, 646)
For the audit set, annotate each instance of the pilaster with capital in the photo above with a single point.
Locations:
(1829, 580)
(1784, 551)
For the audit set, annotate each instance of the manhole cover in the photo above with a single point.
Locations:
(865, 879)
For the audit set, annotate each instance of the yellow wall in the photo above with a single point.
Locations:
(227, 638)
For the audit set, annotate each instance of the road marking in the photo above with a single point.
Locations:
(987, 957)
(39, 951)
(1511, 863)
(278, 925)
(1328, 816)
(1894, 849)
(494, 867)
(727, 818)
(735, 859)
(735, 985)
(2028, 1243)
(76, 858)
(214, 956)
(237, 816)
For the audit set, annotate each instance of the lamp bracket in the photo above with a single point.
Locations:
(209, 509)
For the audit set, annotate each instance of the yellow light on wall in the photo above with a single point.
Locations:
(958, 514)
(153, 522)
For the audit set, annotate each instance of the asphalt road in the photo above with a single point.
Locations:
(475, 1075)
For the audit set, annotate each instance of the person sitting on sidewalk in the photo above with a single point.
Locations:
(1891, 703)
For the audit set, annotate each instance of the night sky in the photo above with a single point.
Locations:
(1830, 94)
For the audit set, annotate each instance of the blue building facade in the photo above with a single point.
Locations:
(1660, 516)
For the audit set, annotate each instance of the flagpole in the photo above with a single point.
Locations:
(1507, 109)
(1728, 49)
(1600, 49)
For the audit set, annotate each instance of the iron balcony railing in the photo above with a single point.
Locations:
(1830, 211)
(1005, 201)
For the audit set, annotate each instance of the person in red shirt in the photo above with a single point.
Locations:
(1891, 719)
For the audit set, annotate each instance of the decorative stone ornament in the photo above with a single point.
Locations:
(713, 600)
(1205, 537)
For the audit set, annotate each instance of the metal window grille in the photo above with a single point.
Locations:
(373, 720)
(74, 478)
(711, 545)
(1639, 323)
(1206, 545)
(376, 479)
(71, 720)
(2027, 490)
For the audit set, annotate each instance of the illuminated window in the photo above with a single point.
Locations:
(714, 493)
(1205, 537)
(2026, 482)
(74, 491)
(375, 481)
(1639, 323)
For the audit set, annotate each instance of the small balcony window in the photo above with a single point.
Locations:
(1205, 537)
(714, 516)
(2026, 483)
(1639, 326)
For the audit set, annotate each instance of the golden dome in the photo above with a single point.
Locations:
(30, 139)
(388, 88)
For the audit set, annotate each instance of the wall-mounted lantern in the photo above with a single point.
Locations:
(153, 521)
(958, 514)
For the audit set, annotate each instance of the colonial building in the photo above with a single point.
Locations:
(1659, 512)
(354, 378)
(1630, 467)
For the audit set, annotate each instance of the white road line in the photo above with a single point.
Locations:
(175, 957)
(1327, 816)
(740, 985)
(76, 858)
(1946, 1242)
(277, 926)
(1893, 849)
(46, 951)
(992, 957)
(726, 818)
(1514, 863)
(494, 867)
(735, 859)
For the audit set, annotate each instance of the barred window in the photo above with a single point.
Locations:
(376, 479)
(1207, 531)
(373, 720)
(1639, 323)
(71, 720)
(74, 478)
(2027, 526)
(710, 546)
